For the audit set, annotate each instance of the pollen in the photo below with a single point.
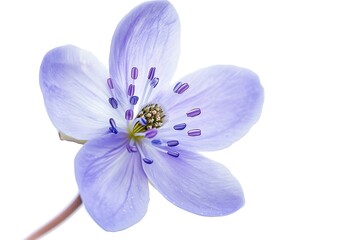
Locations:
(154, 116)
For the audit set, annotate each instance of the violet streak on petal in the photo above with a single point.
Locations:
(75, 96)
(149, 36)
(194, 183)
(120, 199)
(113, 168)
(232, 106)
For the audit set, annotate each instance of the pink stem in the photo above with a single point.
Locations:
(57, 220)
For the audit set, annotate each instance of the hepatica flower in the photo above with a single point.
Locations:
(142, 128)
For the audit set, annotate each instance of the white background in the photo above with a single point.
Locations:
(298, 165)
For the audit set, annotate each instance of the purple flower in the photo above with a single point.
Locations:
(140, 128)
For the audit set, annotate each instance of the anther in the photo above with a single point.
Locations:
(154, 82)
(193, 112)
(128, 147)
(113, 130)
(129, 114)
(142, 121)
(134, 100)
(131, 148)
(110, 83)
(194, 132)
(156, 142)
(112, 122)
(113, 102)
(173, 153)
(147, 160)
(180, 126)
(172, 143)
(131, 90)
(151, 73)
(153, 114)
(151, 133)
(177, 86)
(183, 88)
(134, 73)
(112, 127)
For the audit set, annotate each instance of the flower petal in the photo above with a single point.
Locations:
(111, 182)
(230, 101)
(194, 183)
(73, 83)
(149, 36)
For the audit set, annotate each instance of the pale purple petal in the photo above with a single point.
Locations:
(219, 107)
(149, 36)
(73, 83)
(111, 182)
(193, 182)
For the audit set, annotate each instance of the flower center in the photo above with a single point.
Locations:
(146, 122)
(150, 118)
(154, 116)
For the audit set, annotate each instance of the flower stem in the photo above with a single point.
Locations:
(57, 220)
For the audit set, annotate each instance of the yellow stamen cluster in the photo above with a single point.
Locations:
(154, 116)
